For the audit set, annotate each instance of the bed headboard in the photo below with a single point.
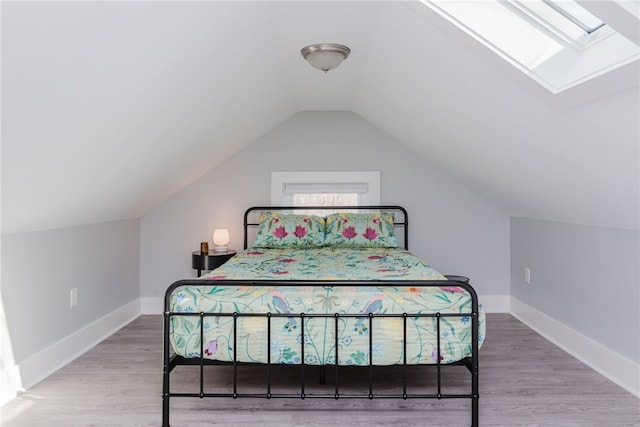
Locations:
(400, 218)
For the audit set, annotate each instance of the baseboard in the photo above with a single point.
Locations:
(617, 368)
(495, 303)
(151, 305)
(10, 383)
(40, 365)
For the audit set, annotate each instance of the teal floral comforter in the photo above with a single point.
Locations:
(328, 263)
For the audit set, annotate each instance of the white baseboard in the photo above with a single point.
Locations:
(490, 304)
(617, 368)
(40, 365)
(495, 303)
(10, 383)
(151, 305)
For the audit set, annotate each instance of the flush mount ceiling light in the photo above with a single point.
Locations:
(325, 56)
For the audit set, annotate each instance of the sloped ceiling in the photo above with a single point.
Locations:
(108, 108)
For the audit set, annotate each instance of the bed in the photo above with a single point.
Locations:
(332, 292)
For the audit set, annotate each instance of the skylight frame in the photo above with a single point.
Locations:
(557, 20)
(548, 57)
(563, 7)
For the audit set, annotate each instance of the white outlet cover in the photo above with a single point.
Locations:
(73, 297)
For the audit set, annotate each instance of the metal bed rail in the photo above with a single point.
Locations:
(171, 361)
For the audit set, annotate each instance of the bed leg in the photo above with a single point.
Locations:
(474, 412)
(166, 369)
(323, 375)
(475, 397)
(165, 411)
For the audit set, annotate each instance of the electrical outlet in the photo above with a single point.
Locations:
(527, 275)
(73, 299)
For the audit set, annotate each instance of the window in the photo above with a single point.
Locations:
(558, 43)
(566, 19)
(576, 14)
(325, 189)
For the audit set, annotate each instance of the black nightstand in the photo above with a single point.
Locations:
(209, 261)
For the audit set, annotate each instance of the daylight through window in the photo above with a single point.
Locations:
(325, 189)
(558, 43)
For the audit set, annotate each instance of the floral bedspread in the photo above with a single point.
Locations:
(330, 263)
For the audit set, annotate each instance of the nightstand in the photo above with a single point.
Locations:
(209, 261)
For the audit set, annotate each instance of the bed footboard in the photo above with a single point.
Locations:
(337, 391)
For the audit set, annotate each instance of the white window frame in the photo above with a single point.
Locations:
(541, 50)
(557, 20)
(365, 183)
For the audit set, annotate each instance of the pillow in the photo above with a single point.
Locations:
(363, 230)
(277, 230)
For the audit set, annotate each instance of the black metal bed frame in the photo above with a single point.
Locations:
(170, 361)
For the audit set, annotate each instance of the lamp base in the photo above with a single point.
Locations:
(220, 249)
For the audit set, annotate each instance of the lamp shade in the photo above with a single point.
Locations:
(325, 56)
(220, 239)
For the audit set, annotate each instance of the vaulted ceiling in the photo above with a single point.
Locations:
(108, 108)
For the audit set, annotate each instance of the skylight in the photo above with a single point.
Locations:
(576, 14)
(558, 43)
(566, 19)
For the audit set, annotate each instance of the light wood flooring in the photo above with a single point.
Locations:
(524, 381)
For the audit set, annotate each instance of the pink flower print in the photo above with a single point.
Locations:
(280, 233)
(451, 289)
(255, 253)
(349, 232)
(280, 272)
(216, 277)
(370, 234)
(375, 220)
(434, 355)
(375, 257)
(287, 260)
(300, 231)
(211, 348)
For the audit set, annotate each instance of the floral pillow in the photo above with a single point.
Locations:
(364, 230)
(277, 230)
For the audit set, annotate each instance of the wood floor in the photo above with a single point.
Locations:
(524, 381)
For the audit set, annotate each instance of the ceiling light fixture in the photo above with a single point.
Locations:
(325, 56)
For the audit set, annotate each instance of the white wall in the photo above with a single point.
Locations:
(587, 278)
(451, 227)
(38, 271)
(584, 293)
